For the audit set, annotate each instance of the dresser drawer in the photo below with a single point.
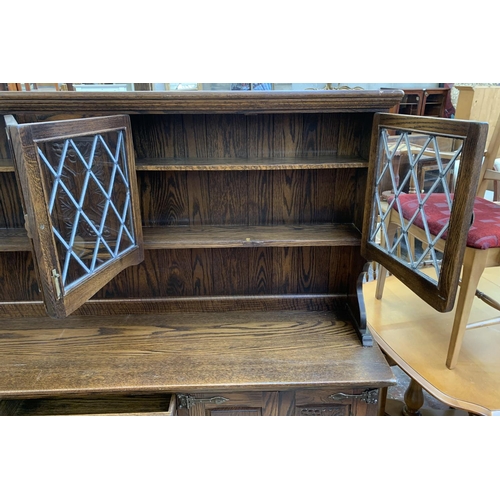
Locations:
(336, 402)
(144, 405)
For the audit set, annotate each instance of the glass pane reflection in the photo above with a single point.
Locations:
(415, 179)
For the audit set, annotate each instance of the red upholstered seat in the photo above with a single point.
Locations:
(484, 232)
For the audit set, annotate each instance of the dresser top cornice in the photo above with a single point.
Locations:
(201, 101)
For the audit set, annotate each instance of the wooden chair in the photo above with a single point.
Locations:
(483, 240)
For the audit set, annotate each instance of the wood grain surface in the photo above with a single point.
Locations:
(250, 197)
(298, 163)
(196, 102)
(184, 352)
(416, 337)
(251, 205)
(163, 237)
(108, 405)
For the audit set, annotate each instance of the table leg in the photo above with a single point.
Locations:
(414, 399)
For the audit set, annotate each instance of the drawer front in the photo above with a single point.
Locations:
(334, 402)
(302, 402)
(144, 405)
(244, 404)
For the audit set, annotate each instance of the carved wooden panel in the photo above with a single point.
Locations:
(228, 404)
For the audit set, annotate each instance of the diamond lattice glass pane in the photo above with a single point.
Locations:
(415, 178)
(89, 202)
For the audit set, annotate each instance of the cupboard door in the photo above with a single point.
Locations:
(243, 404)
(81, 204)
(415, 160)
(329, 402)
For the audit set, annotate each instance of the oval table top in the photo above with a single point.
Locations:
(416, 337)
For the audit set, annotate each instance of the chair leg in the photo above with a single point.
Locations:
(381, 275)
(473, 267)
(382, 271)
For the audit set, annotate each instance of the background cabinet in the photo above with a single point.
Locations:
(480, 103)
(422, 102)
(251, 209)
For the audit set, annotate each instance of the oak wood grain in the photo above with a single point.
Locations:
(243, 404)
(11, 209)
(163, 237)
(14, 240)
(198, 303)
(251, 205)
(102, 405)
(18, 277)
(182, 272)
(249, 197)
(184, 352)
(298, 163)
(251, 236)
(199, 102)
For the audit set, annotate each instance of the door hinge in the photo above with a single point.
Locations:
(187, 401)
(369, 396)
(56, 280)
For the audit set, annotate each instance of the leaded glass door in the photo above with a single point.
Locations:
(422, 181)
(81, 201)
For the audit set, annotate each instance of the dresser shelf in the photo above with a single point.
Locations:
(331, 161)
(164, 237)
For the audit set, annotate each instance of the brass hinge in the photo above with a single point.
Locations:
(369, 396)
(57, 283)
(187, 401)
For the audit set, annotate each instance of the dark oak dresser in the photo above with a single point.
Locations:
(186, 253)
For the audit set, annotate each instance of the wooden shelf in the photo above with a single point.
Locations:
(326, 162)
(14, 240)
(223, 236)
(179, 352)
(251, 236)
(6, 166)
(330, 161)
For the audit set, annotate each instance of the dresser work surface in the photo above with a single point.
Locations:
(184, 352)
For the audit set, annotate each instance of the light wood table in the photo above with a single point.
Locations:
(416, 337)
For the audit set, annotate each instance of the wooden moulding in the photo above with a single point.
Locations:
(103, 307)
(352, 307)
(6, 165)
(162, 164)
(331, 161)
(201, 102)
